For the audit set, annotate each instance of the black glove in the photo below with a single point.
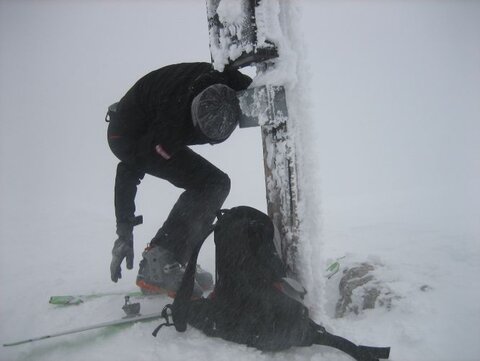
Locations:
(122, 248)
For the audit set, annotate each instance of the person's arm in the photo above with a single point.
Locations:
(232, 78)
(126, 182)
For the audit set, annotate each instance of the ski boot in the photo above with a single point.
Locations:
(204, 279)
(159, 272)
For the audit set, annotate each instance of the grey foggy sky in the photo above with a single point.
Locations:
(395, 94)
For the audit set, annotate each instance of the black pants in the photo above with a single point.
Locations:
(206, 188)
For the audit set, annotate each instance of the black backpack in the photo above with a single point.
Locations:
(253, 302)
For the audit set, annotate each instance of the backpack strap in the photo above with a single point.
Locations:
(181, 303)
(358, 352)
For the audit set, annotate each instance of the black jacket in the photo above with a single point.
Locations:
(156, 110)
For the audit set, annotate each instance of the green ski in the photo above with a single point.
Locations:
(77, 299)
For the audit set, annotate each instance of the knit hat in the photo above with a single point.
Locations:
(215, 112)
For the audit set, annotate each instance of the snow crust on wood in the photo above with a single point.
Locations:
(279, 22)
(274, 26)
(231, 11)
(258, 108)
(228, 44)
(265, 104)
(291, 170)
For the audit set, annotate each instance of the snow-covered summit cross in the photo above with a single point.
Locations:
(246, 33)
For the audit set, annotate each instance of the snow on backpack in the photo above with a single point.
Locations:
(253, 302)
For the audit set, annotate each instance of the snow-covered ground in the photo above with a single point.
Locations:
(395, 90)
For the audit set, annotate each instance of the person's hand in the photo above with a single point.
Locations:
(122, 249)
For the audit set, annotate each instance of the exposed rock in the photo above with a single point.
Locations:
(361, 290)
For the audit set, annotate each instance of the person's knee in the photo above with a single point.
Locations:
(225, 184)
(219, 184)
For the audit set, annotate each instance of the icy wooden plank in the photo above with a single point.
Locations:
(233, 34)
(263, 106)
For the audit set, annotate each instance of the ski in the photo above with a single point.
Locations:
(333, 268)
(67, 300)
(122, 321)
